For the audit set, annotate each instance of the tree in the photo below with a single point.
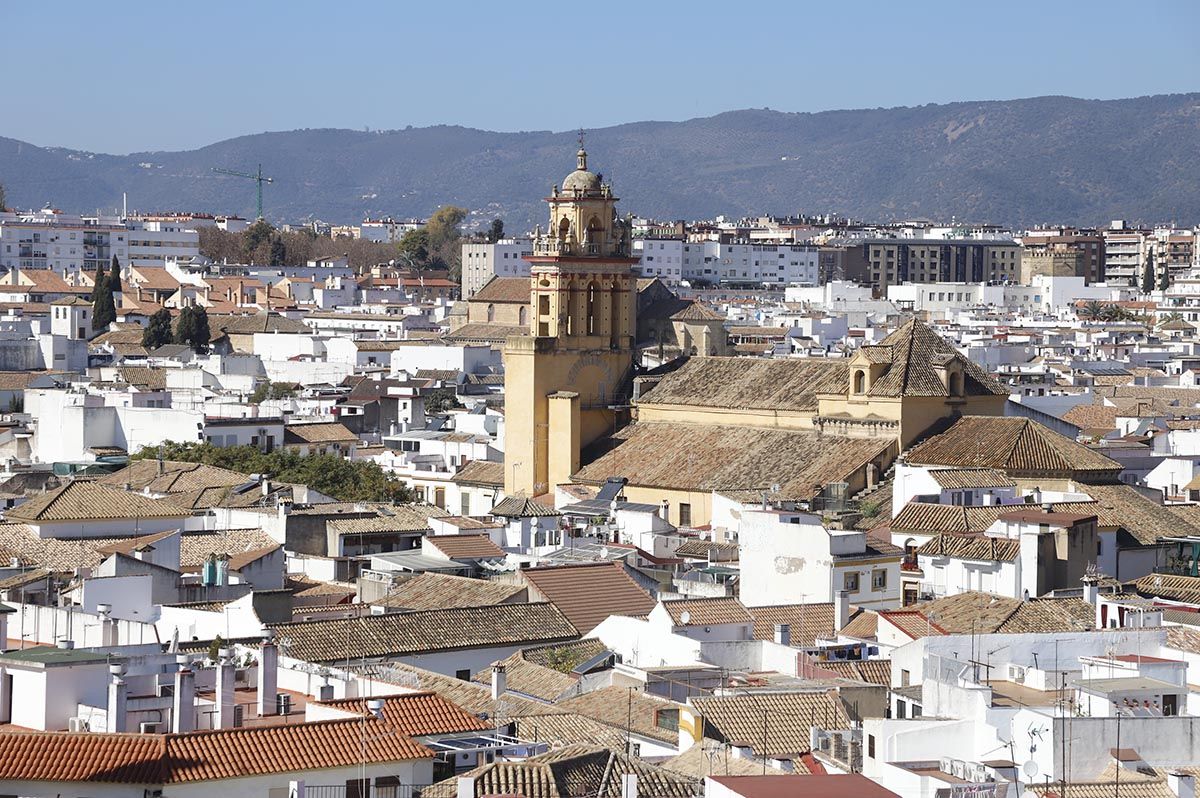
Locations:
(496, 231)
(445, 251)
(104, 309)
(344, 480)
(272, 390)
(158, 331)
(440, 400)
(1164, 280)
(192, 328)
(1148, 275)
(414, 247)
(278, 252)
(1091, 310)
(255, 236)
(114, 276)
(3, 199)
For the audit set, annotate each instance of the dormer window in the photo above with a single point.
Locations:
(956, 383)
(860, 381)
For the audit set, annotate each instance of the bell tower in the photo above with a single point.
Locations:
(563, 379)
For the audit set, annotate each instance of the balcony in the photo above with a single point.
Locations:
(355, 789)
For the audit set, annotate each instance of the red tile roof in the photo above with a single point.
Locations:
(588, 593)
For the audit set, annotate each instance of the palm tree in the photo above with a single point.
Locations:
(1091, 310)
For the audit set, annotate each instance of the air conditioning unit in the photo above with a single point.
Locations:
(980, 774)
(150, 727)
(959, 769)
(77, 725)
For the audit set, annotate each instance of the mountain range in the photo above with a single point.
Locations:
(1019, 162)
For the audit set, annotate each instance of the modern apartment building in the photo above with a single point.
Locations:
(387, 231)
(727, 263)
(1089, 243)
(482, 261)
(68, 244)
(926, 260)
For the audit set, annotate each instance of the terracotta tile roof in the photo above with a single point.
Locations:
(505, 289)
(913, 623)
(874, 671)
(1015, 445)
(408, 633)
(1184, 638)
(972, 547)
(523, 507)
(398, 518)
(707, 611)
(487, 473)
(174, 477)
(1092, 416)
(568, 728)
(483, 332)
(744, 383)
(574, 589)
(307, 588)
(1176, 588)
(417, 714)
(431, 591)
(697, 548)
(143, 377)
(913, 353)
(961, 478)
(707, 758)
(531, 679)
(59, 556)
(807, 621)
(577, 770)
(987, 613)
(471, 696)
(704, 458)
(790, 717)
(1144, 518)
(618, 706)
(864, 625)
(198, 756)
(85, 501)
(322, 432)
(696, 311)
(194, 547)
(248, 324)
(466, 547)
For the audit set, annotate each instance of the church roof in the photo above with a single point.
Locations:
(504, 289)
(914, 351)
(695, 311)
(581, 179)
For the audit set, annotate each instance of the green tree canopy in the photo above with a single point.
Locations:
(1148, 275)
(344, 480)
(114, 276)
(414, 247)
(278, 252)
(158, 331)
(104, 308)
(496, 231)
(255, 236)
(272, 390)
(192, 328)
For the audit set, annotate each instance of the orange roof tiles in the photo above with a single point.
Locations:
(589, 593)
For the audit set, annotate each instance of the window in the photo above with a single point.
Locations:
(860, 382)
(850, 582)
(871, 746)
(464, 674)
(879, 579)
(667, 719)
(901, 710)
(916, 711)
(685, 514)
(905, 676)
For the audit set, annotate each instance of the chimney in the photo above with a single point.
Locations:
(266, 486)
(466, 787)
(841, 610)
(1091, 589)
(117, 695)
(225, 688)
(783, 634)
(183, 705)
(268, 678)
(222, 569)
(499, 681)
(629, 786)
(665, 510)
(4, 611)
(1182, 784)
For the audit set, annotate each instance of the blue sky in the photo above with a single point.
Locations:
(138, 75)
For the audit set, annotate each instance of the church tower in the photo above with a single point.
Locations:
(563, 379)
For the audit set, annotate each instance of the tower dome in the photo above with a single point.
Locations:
(581, 179)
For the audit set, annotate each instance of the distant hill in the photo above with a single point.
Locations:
(1019, 162)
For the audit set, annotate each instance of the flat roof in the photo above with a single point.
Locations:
(52, 655)
(1129, 684)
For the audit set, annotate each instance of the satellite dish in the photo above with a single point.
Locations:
(685, 618)
(1030, 768)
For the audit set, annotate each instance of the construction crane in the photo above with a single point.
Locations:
(258, 178)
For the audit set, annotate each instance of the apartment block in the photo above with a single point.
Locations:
(482, 261)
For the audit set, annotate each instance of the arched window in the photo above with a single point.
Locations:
(522, 316)
(591, 308)
(860, 382)
(614, 306)
(564, 228)
(491, 312)
(956, 383)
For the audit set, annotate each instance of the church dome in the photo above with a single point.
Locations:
(581, 178)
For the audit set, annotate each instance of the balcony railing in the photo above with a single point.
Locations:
(355, 790)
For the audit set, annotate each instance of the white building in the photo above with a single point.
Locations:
(69, 244)
(482, 261)
(792, 557)
(387, 231)
(674, 261)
